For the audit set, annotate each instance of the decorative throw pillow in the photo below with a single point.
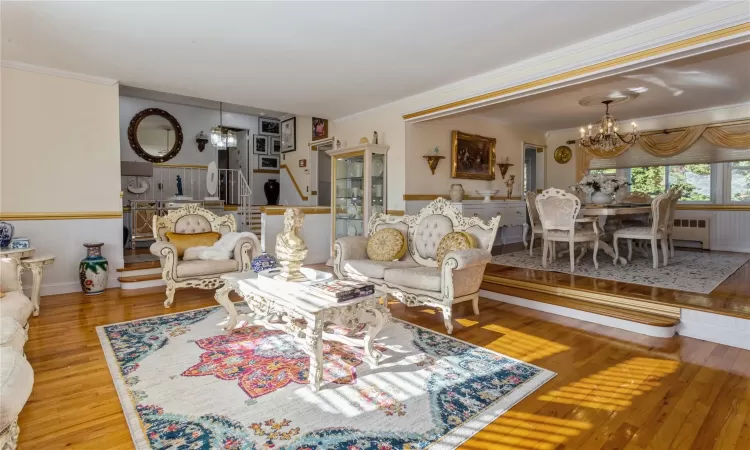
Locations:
(457, 240)
(386, 244)
(185, 241)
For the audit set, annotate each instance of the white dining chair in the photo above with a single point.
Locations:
(674, 196)
(558, 215)
(656, 232)
(535, 227)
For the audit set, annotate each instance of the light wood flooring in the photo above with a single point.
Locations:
(614, 389)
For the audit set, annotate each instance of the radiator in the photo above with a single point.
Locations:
(693, 229)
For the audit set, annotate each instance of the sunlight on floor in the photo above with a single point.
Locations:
(613, 389)
(466, 322)
(517, 430)
(525, 347)
(428, 311)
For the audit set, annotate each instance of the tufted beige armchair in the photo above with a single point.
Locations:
(416, 279)
(201, 274)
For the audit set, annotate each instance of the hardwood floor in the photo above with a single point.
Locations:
(614, 389)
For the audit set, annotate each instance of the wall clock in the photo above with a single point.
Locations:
(563, 154)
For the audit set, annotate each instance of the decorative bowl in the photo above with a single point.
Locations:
(487, 194)
(263, 262)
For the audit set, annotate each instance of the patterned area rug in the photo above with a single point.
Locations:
(689, 271)
(183, 383)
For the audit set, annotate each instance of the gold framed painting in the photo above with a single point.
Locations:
(472, 156)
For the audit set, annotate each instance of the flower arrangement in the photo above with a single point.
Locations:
(602, 183)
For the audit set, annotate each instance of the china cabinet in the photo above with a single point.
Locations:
(359, 176)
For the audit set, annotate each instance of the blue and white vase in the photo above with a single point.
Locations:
(6, 234)
(263, 262)
(20, 242)
(93, 270)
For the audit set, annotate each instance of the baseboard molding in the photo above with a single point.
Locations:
(739, 248)
(66, 287)
(649, 330)
(732, 331)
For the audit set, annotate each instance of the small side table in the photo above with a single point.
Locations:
(35, 264)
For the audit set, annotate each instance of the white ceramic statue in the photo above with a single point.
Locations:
(290, 248)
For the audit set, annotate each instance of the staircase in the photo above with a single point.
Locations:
(255, 220)
(140, 275)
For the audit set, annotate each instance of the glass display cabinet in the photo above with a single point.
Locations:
(359, 175)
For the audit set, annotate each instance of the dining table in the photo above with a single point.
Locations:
(605, 212)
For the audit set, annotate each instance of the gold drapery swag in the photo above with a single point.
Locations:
(736, 136)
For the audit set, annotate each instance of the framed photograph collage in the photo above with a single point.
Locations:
(267, 143)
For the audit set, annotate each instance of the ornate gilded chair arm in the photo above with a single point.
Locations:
(167, 254)
(467, 258)
(245, 250)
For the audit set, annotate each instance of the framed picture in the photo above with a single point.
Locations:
(289, 135)
(260, 144)
(269, 127)
(319, 128)
(268, 162)
(472, 156)
(275, 146)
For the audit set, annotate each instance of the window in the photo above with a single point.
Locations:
(739, 181)
(694, 180)
(612, 171)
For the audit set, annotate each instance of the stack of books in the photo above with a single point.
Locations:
(341, 290)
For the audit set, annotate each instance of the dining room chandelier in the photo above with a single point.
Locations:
(608, 139)
(222, 138)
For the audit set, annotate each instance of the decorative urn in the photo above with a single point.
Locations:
(271, 189)
(93, 270)
(600, 198)
(457, 193)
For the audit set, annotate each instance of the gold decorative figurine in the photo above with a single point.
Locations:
(290, 248)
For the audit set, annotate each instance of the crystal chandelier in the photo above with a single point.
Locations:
(221, 138)
(608, 139)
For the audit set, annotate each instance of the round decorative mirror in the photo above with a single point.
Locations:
(155, 135)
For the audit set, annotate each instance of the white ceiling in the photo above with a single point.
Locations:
(327, 59)
(708, 80)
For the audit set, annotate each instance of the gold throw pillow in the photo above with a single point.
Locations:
(386, 244)
(183, 242)
(457, 240)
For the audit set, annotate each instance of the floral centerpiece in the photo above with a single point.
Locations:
(602, 187)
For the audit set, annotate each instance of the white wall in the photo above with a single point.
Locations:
(60, 154)
(422, 137)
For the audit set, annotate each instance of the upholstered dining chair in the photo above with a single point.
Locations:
(674, 196)
(639, 220)
(536, 226)
(558, 215)
(656, 232)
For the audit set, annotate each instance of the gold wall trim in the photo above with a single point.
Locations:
(714, 207)
(266, 171)
(410, 197)
(62, 215)
(395, 212)
(296, 186)
(313, 192)
(181, 166)
(633, 57)
(280, 210)
(230, 207)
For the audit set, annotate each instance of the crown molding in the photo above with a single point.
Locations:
(56, 72)
(745, 105)
(422, 101)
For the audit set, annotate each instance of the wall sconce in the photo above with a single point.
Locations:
(202, 140)
(433, 159)
(504, 166)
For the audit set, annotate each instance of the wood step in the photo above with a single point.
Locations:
(646, 318)
(155, 276)
(139, 266)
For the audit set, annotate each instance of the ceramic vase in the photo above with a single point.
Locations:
(6, 234)
(93, 270)
(457, 193)
(600, 198)
(271, 189)
(263, 262)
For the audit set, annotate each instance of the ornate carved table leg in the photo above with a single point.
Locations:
(222, 296)
(36, 266)
(381, 317)
(314, 347)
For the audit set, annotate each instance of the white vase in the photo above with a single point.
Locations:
(457, 193)
(600, 198)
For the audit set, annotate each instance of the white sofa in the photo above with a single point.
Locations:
(416, 279)
(16, 375)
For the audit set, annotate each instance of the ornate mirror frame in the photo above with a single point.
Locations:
(133, 135)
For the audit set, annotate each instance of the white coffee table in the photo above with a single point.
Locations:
(290, 308)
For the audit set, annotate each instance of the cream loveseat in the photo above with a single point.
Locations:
(416, 279)
(201, 274)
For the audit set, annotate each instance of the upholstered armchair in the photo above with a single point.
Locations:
(416, 279)
(177, 273)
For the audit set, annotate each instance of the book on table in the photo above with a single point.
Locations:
(341, 290)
